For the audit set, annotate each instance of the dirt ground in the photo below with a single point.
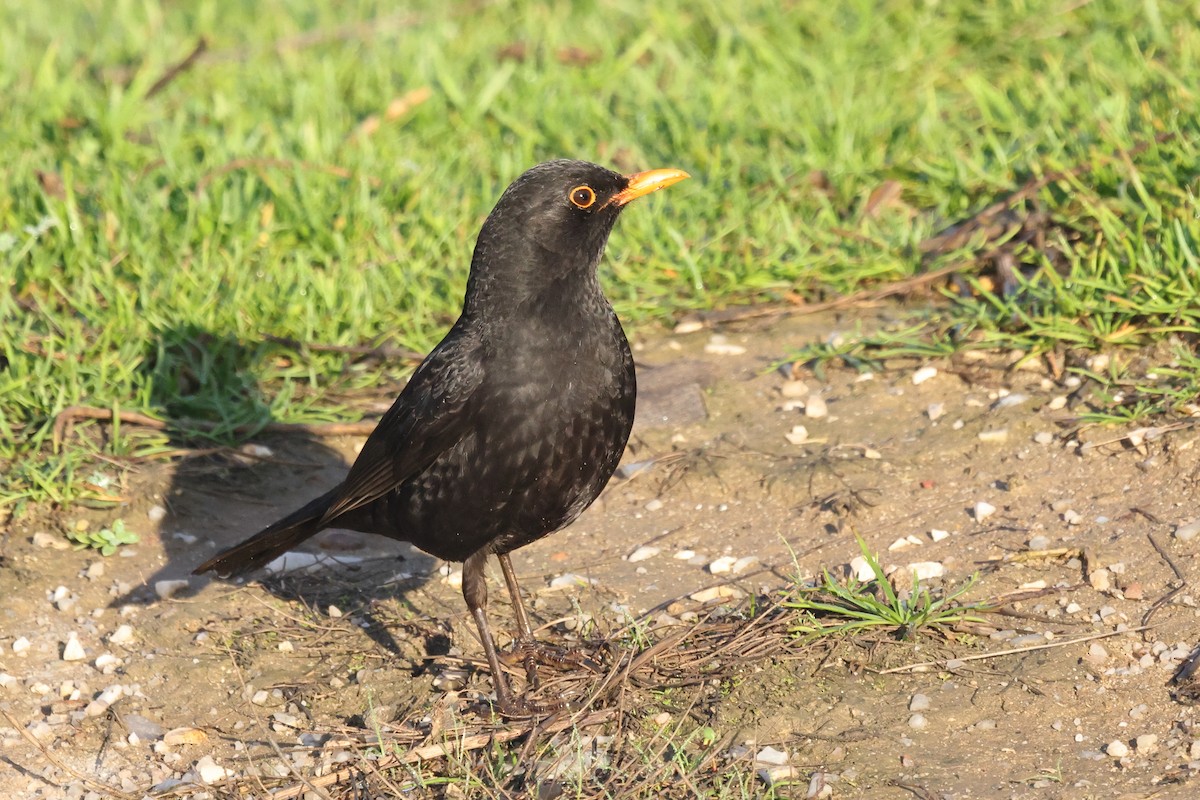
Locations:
(282, 674)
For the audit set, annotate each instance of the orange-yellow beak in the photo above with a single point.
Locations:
(643, 183)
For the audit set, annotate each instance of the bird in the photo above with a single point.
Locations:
(514, 423)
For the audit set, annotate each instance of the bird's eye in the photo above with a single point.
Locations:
(583, 196)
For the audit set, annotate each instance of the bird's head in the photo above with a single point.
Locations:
(552, 223)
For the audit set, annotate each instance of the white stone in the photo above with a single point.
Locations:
(927, 570)
(719, 345)
(816, 408)
(1057, 403)
(983, 510)
(685, 555)
(20, 645)
(156, 513)
(919, 702)
(1043, 437)
(1146, 744)
(210, 771)
(654, 505)
(122, 635)
(643, 553)
(935, 411)
(717, 593)
(722, 565)
(570, 581)
(73, 650)
(923, 374)
(861, 569)
(994, 436)
(769, 755)
(7, 681)
(937, 535)
(795, 389)
(798, 435)
(918, 722)
(744, 563)
(1188, 530)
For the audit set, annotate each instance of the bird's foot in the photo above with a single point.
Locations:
(531, 651)
(526, 708)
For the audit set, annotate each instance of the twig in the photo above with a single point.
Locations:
(177, 69)
(866, 296)
(92, 783)
(72, 413)
(1012, 651)
(475, 741)
(1169, 596)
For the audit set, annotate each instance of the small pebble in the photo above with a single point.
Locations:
(570, 581)
(744, 563)
(643, 553)
(1039, 543)
(907, 541)
(919, 702)
(1057, 403)
(937, 535)
(685, 555)
(923, 374)
(784, 773)
(861, 569)
(1100, 579)
(654, 505)
(261, 697)
(73, 650)
(983, 510)
(95, 570)
(994, 436)
(798, 435)
(985, 725)
(816, 408)
(1188, 530)
(719, 345)
(43, 539)
(918, 722)
(178, 737)
(927, 570)
(769, 755)
(935, 411)
(722, 565)
(795, 390)
(20, 645)
(1043, 437)
(1097, 655)
(156, 513)
(1072, 517)
(1146, 744)
(1011, 400)
(122, 635)
(210, 771)
(717, 593)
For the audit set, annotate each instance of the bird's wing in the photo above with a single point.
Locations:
(430, 416)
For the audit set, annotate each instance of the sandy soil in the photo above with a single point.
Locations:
(284, 671)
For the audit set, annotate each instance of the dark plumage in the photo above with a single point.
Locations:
(514, 423)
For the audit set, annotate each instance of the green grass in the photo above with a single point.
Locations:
(149, 245)
(840, 608)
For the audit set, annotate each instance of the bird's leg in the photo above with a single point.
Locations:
(474, 588)
(530, 650)
(525, 641)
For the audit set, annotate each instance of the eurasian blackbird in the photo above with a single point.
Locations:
(514, 423)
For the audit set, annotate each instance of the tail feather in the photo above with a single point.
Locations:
(272, 541)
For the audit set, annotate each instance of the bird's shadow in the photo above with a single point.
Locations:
(231, 487)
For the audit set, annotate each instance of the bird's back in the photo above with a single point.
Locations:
(548, 424)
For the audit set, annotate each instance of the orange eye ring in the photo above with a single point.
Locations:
(582, 197)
